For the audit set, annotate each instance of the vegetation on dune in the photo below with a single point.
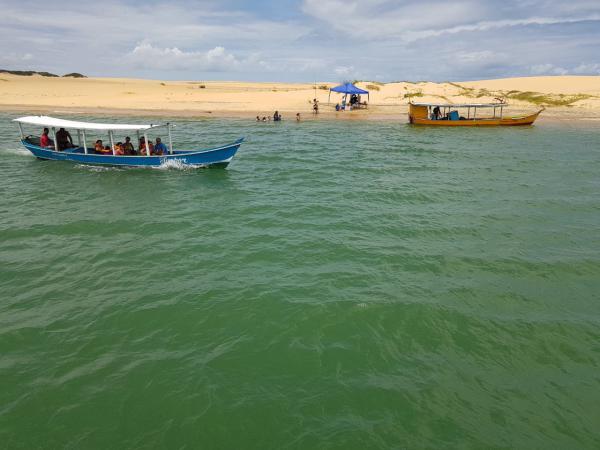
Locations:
(536, 98)
(443, 97)
(28, 73)
(414, 94)
(324, 87)
(373, 87)
(540, 99)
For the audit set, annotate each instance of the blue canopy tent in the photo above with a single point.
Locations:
(348, 88)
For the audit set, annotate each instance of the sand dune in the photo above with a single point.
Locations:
(562, 96)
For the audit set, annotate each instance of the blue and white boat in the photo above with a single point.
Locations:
(83, 153)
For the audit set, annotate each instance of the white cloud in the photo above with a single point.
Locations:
(385, 19)
(587, 69)
(344, 71)
(146, 56)
(477, 57)
(11, 58)
(547, 69)
(316, 39)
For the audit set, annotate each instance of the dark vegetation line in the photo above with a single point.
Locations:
(43, 74)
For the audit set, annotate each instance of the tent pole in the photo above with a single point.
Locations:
(146, 144)
(84, 143)
(112, 142)
(170, 139)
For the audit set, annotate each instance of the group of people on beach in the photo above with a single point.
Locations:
(278, 117)
(64, 141)
(355, 102)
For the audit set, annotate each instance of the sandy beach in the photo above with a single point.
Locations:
(564, 97)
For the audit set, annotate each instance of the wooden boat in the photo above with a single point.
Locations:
(83, 153)
(450, 115)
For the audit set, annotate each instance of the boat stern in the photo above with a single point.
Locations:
(417, 112)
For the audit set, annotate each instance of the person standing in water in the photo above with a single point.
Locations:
(315, 106)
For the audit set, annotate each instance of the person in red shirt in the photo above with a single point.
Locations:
(45, 141)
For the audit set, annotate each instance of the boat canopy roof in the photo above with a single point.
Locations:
(348, 88)
(465, 105)
(46, 121)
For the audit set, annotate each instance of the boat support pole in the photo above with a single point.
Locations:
(112, 141)
(54, 135)
(79, 138)
(146, 144)
(84, 143)
(21, 130)
(170, 139)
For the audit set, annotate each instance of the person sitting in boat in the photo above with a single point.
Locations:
(128, 147)
(63, 140)
(45, 141)
(437, 114)
(142, 150)
(101, 149)
(119, 149)
(160, 148)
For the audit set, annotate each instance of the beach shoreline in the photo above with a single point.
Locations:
(564, 98)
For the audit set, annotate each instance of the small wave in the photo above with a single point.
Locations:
(16, 151)
(177, 164)
(92, 168)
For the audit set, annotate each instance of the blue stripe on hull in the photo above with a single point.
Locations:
(220, 156)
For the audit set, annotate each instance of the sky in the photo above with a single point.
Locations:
(303, 40)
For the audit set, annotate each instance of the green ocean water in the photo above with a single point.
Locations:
(342, 285)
